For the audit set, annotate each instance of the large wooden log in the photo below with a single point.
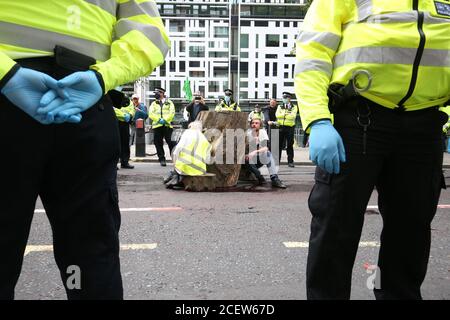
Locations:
(226, 133)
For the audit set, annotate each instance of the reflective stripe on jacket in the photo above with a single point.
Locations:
(192, 154)
(126, 37)
(286, 117)
(224, 107)
(405, 45)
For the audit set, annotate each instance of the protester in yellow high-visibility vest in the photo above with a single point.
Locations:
(162, 112)
(382, 69)
(286, 115)
(228, 103)
(57, 61)
(190, 156)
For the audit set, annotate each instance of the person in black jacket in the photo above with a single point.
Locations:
(270, 119)
(195, 107)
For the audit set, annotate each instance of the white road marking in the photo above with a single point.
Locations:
(162, 209)
(131, 246)
(440, 206)
(305, 244)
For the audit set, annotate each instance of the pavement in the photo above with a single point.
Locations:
(301, 156)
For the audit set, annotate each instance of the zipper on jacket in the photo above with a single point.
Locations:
(418, 57)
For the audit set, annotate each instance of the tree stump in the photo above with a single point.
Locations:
(205, 182)
(226, 133)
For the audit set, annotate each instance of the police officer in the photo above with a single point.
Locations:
(228, 103)
(125, 111)
(54, 73)
(286, 115)
(257, 113)
(385, 69)
(161, 112)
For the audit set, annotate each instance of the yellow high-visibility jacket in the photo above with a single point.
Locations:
(192, 153)
(126, 37)
(404, 44)
(120, 113)
(224, 107)
(286, 117)
(166, 112)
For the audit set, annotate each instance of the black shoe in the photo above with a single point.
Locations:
(169, 177)
(291, 165)
(162, 162)
(126, 166)
(277, 183)
(261, 181)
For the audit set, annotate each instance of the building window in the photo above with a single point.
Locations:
(182, 46)
(261, 23)
(275, 69)
(272, 40)
(244, 55)
(211, 44)
(197, 74)
(175, 89)
(218, 54)
(271, 56)
(197, 34)
(162, 70)
(220, 72)
(172, 65)
(256, 70)
(244, 40)
(177, 26)
(286, 75)
(220, 32)
(244, 84)
(274, 90)
(214, 86)
(194, 64)
(197, 51)
(152, 84)
(182, 66)
(267, 69)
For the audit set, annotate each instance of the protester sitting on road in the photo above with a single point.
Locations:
(260, 155)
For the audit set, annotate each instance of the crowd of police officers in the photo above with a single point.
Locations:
(161, 112)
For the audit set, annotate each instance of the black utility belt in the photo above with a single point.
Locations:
(63, 58)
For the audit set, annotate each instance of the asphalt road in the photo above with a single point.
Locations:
(228, 245)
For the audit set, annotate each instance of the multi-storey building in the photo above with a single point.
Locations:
(246, 45)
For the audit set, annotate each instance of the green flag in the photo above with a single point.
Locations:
(187, 90)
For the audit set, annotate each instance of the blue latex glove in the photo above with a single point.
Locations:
(81, 90)
(326, 148)
(127, 117)
(162, 121)
(25, 90)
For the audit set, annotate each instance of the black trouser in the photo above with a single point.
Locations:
(159, 134)
(124, 130)
(404, 161)
(72, 167)
(287, 139)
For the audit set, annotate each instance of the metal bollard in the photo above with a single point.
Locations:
(140, 138)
